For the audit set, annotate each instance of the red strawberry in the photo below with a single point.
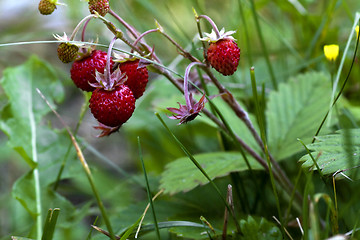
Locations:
(112, 107)
(137, 78)
(46, 7)
(223, 53)
(100, 6)
(224, 56)
(83, 70)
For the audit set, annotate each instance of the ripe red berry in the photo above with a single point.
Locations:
(224, 56)
(137, 78)
(83, 70)
(46, 7)
(112, 108)
(100, 6)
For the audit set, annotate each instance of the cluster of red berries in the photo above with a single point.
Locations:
(115, 87)
(111, 105)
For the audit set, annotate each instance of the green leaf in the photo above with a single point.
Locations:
(50, 224)
(26, 108)
(236, 124)
(336, 152)
(23, 191)
(181, 174)
(257, 229)
(296, 111)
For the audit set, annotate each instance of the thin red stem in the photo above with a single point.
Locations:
(216, 30)
(84, 29)
(144, 34)
(186, 88)
(126, 25)
(108, 58)
(79, 25)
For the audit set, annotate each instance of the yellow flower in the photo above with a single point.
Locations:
(357, 30)
(331, 52)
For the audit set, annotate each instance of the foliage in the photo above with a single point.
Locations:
(209, 178)
(336, 154)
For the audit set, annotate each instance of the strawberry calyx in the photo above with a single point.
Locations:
(67, 40)
(106, 130)
(214, 37)
(109, 81)
(122, 58)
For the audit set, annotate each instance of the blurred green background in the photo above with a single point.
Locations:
(294, 33)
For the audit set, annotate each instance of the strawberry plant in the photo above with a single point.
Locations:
(124, 127)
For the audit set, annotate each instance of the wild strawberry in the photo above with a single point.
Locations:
(113, 103)
(100, 6)
(67, 52)
(137, 78)
(223, 53)
(47, 7)
(112, 108)
(83, 70)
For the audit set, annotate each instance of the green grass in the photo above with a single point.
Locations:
(256, 132)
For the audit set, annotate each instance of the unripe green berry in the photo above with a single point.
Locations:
(46, 7)
(67, 52)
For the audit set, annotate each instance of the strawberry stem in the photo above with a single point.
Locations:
(108, 58)
(216, 30)
(186, 89)
(79, 25)
(131, 29)
(84, 29)
(144, 34)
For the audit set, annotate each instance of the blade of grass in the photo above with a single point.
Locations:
(263, 45)
(151, 227)
(131, 229)
(337, 79)
(81, 117)
(171, 224)
(191, 157)
(246, 31)
(50, 224)
(292, 196)
(145, 211)
(308, 191)
(85, 167)
(322, 28)
(330, 213)
(261, 121)
(91, 230)
(148, 190)
(333, 101)
(313, 159)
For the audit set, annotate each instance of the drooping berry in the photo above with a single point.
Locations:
(67, 52)
(46, 7)
(137, 78)
(83, 70)
(223, 53)
(100, 6)
(224, 56)
(112, 107)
